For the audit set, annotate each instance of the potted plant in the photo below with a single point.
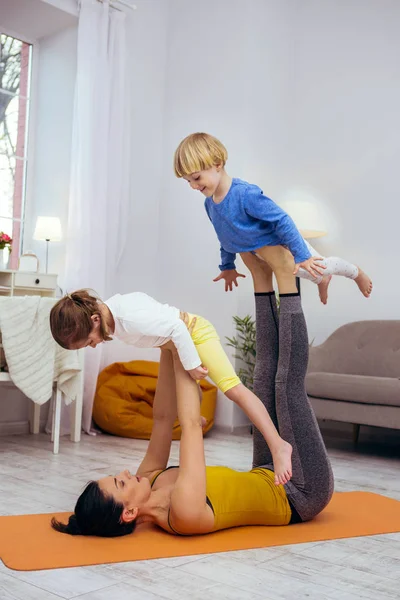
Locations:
(5, 249)
(245, 345)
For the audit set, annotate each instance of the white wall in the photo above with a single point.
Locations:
(345, 147)
(35, 19)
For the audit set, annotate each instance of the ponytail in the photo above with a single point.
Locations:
(71, 527)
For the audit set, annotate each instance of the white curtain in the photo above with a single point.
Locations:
(100, 181)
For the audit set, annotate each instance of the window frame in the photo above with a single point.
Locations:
(30, 134)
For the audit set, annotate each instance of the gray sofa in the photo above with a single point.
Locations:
(354, 376)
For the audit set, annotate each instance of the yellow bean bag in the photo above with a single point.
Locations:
(123, 404)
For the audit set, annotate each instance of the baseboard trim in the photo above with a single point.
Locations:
(18, 428)
(14, 428)
(236, 430)
(344, 431)
(329, 428)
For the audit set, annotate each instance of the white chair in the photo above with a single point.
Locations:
(55, 406)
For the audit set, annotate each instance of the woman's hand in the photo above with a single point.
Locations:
(311, 265)
(198, 373)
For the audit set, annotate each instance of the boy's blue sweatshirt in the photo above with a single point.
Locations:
(246, 220)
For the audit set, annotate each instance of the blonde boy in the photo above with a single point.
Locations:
(246, 221)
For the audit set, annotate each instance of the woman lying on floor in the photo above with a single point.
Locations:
(195, 499)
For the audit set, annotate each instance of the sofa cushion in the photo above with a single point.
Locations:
(363, 389)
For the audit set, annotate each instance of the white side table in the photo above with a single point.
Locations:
(24, 283)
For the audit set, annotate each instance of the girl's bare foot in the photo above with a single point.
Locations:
(282, 457)
(323, 288)
(364, 283)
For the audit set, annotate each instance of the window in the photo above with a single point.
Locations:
(15, 69)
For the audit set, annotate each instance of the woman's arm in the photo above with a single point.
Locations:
(164, 415)
(189, 512)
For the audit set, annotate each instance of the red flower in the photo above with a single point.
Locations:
(5, 240)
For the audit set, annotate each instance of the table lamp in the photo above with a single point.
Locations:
(312, 234)
(49, 230)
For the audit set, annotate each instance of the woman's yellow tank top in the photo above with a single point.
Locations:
(246, 498)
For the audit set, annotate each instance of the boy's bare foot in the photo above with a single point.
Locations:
(323, 288)
(282, 457)
(364, 283)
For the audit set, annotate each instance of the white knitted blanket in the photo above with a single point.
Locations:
(34, 359)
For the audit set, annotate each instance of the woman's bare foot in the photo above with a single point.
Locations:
(364, 283)
(282, 457)
(323, 288)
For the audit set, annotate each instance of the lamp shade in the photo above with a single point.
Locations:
(312, 234)
(48, 228)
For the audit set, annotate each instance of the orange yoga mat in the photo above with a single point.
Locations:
(27, 542)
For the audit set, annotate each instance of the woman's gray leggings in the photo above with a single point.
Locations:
(279, 381)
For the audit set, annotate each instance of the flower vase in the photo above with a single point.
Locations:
(4, 259)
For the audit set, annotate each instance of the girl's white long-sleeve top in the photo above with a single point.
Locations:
(143, 322)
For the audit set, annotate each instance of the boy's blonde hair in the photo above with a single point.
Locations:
(197, 152)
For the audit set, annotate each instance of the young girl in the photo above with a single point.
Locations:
(247, 221)
(80, 319)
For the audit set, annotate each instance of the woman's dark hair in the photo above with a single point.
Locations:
(70, 318)
(95, 514)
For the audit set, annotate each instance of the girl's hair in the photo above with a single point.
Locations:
(70, 318)
(197, 152)
(95, 514)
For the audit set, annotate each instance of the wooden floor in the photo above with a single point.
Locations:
(33, 480)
